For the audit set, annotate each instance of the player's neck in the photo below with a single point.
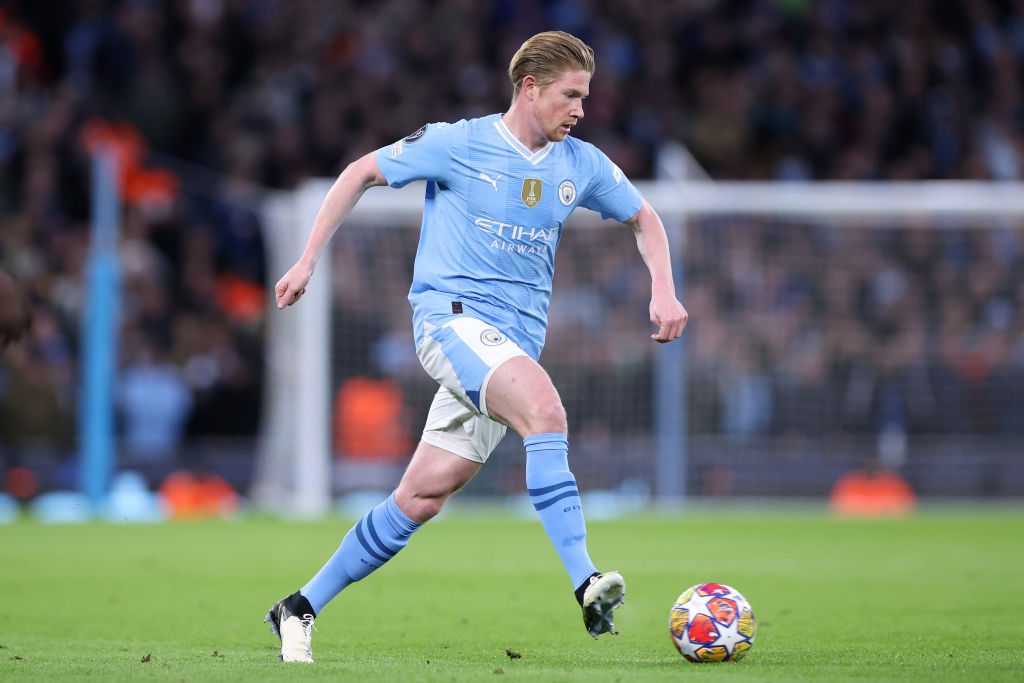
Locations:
(525, 130)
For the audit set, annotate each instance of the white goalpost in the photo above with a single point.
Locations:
(295, 476)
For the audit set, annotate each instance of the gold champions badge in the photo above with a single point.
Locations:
(532, 190)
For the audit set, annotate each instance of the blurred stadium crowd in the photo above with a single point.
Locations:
(210, 102)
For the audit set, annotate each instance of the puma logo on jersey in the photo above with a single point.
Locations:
(493, 182)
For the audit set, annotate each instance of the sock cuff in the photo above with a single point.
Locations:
(552, 438)
(400, 519)
(302, 604)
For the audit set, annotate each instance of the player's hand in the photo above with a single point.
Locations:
(292, 286)
(670, 317)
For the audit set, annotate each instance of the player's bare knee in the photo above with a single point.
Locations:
(547, 417)
(424, 508)
(432, 507)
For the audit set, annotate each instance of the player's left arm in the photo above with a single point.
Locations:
(666, 311)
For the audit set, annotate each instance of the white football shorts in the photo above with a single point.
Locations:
(461, 356)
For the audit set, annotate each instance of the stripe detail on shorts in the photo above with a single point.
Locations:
(469, 368)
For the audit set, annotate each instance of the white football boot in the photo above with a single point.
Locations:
(605, 593)
(291, 619)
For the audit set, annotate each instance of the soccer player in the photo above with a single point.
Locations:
(499, 190)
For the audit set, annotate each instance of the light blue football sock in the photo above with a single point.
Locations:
(553, 492)
(374, 540)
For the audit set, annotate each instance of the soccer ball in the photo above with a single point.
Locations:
(712, 622)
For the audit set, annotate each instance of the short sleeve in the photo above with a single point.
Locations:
(423, 155)
(611, 194)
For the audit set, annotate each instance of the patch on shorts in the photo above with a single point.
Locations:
(491, 337)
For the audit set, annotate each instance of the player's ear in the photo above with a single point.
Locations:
(530, 86)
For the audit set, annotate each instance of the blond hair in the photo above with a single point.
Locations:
(546, 56)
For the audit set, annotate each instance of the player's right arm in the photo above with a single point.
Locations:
(357, 177)
(422, 155)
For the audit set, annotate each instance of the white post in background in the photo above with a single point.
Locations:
(273, 479)
(310, 323)
(293, 468)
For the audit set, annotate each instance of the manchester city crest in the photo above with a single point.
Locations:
(532, 188)
(567, 192)
(491, 337)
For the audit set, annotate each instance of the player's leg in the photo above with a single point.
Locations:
(489, 374)
(521, 395)
(432, 476)
(430, 480)
(451, 452)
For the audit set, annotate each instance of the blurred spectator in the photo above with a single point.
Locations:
(369, 421)
(190, 495)
(155, 403)
(746, 395)
(34, 417)
(872, 492)
(15, 314)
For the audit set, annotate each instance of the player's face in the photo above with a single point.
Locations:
(559, 105)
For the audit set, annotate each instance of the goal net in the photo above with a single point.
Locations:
(832, 326)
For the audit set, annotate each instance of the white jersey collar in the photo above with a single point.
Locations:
(533, 157)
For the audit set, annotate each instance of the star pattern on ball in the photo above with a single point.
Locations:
(699, 604)
(727, 635)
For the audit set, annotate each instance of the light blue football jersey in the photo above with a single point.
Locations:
(493, 217)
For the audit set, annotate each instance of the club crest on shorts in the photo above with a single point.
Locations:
(491, 337)
(532, 190)
(567, 192)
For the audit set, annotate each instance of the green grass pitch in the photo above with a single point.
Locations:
(935, 597)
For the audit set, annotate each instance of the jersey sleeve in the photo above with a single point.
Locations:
(423, 155)
(611, 194)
